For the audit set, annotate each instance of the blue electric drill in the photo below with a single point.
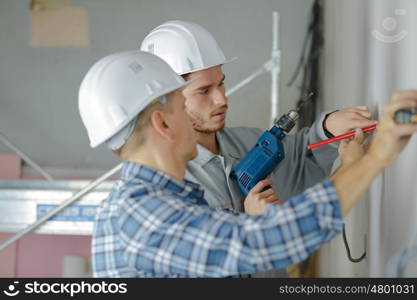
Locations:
(267, 153)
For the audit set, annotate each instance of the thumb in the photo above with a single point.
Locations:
(260, 185)
(359, 136)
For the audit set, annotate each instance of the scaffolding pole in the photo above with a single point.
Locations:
(63, 205)
(25, 157)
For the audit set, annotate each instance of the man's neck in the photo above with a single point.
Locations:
(208, 141)
(166, 162)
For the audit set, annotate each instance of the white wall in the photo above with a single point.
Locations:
(363, 68)
(38, 86)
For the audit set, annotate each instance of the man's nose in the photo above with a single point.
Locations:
(220, 97)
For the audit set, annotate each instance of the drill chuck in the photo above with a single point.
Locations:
(288, 121)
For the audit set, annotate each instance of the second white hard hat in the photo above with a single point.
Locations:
(118, 87)
(186, 47)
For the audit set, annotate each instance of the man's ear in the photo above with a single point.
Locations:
(159, 123)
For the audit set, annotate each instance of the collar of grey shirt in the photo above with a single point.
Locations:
(204, 155)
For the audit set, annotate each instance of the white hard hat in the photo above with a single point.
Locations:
(117, 88)
(186, 47)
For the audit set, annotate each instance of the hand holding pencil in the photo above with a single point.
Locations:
(400, 116)
(340, 137)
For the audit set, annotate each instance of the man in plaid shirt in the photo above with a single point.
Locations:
(157, 224)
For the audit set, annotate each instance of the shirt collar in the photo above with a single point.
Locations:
(226, 147)
(204, 155)
(186, 188)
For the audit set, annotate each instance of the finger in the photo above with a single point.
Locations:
(406, 129)
(359, 114)
(362, 107)
(356, 112)
(359, 136)
(260, 185)
(278, 202)
(397, 96)
(267, 193)
(359, 123)
(364, 114)
(272, 199)
(404, 103)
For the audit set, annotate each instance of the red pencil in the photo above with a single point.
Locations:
(340, 137)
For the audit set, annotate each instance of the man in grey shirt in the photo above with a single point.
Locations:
(194, 53)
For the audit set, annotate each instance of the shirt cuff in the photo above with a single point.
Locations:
(319, 132)
(327, 201)
(326, 132)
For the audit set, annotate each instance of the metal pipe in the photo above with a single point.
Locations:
(63, 205)
(275, 70)
(25, 157)
(248, 79)
(275, 28)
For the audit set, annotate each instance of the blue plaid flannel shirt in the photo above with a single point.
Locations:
(153, 225)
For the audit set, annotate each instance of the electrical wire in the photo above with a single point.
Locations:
(309, 65)
(349, 255)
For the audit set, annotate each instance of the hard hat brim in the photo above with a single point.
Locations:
(231, 59)
(210, 66)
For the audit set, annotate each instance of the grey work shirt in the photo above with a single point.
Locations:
(300, 169)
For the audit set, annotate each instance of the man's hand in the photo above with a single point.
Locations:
(391, 137)
(348, 119)
(257, 201)
(352, 149)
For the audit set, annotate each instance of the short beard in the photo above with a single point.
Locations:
(207, 130)
(199, 128)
